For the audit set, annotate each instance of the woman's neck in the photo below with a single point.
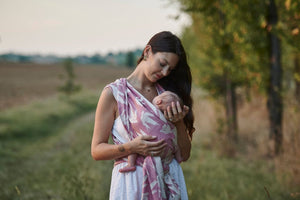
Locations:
(138, 79)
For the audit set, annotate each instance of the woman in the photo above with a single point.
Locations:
(125, 111)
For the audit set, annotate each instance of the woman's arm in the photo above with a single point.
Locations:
(104, 119)
(183, 140)
(175, 113)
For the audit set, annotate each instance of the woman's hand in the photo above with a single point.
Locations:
(175, 112)
(144, 145)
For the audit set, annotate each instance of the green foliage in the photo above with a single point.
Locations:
(69, 87)
(59, 165)
(56, 163)
(210, 177)
(226, 40)
(238, 43)
(130, 59)
(118, 58)
(288, 26)
(230, 37)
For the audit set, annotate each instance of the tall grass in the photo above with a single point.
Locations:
(288, 163)
(44, 157)
(247, 173)
(59, 168)
(41, 118)
(35, 145)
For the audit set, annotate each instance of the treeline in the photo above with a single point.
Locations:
(245, 44)
(122, 58)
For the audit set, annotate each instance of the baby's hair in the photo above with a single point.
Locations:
(165, 99)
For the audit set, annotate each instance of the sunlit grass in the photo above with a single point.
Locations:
(45, 154)
(31, 144)
(210, 176)
(42, 117)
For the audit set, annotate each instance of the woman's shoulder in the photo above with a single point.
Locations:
(116, 83)
(111, 90)
(107, 95)
(107, 99)
(117, 87)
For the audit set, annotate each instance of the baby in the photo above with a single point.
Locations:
(161, 101)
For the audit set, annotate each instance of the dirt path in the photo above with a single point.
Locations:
(43, 167)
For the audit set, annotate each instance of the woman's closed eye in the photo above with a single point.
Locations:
(163, 64)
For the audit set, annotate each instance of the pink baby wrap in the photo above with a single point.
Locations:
(141, 117)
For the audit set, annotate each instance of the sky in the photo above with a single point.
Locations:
(73, 27)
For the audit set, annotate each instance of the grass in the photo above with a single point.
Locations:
(59, 167)
(38, 119)
(38, 142)
(45, 144)
(45, 154)
(211, 177)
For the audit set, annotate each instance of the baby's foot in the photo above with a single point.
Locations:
(127, 169)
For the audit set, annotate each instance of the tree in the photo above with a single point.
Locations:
(221, 43)
(297, 76)
(130, 60)
(275, 106)
(288, 28)
(244, 38)
(69, 87)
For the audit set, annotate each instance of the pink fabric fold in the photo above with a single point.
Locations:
(141, 117)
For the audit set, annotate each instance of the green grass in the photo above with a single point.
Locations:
(40, 118)
(59, 167)
(45, 154)
(45, 149)
(211, 177)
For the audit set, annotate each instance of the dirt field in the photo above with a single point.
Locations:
(21, 83)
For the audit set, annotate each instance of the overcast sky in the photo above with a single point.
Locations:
(71, 27)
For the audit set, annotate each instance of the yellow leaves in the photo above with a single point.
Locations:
(243, 30)
(297, 77)
(243, 58)
(287, 4)
(295, 31)
(257, 77)
(236, 37)
(263, 24)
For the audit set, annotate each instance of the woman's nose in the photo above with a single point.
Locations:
(165, 70)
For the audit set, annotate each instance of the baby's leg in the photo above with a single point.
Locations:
(130, 165)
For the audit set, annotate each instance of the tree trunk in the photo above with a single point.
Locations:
(230, 93)
(297, 81)
(231, 110)
(274, 95)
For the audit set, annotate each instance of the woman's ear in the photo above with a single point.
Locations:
(147, 51)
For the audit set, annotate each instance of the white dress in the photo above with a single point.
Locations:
(128, 186)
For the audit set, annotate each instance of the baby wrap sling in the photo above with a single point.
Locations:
(141, 117)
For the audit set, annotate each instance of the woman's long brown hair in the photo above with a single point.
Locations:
(179, 80)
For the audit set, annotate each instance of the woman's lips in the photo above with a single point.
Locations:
(158, 76)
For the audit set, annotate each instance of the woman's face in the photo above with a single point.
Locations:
(160, 65)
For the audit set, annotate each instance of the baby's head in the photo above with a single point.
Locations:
(165, 99)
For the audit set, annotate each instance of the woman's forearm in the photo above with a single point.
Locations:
(106, 151)
(183, 140)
